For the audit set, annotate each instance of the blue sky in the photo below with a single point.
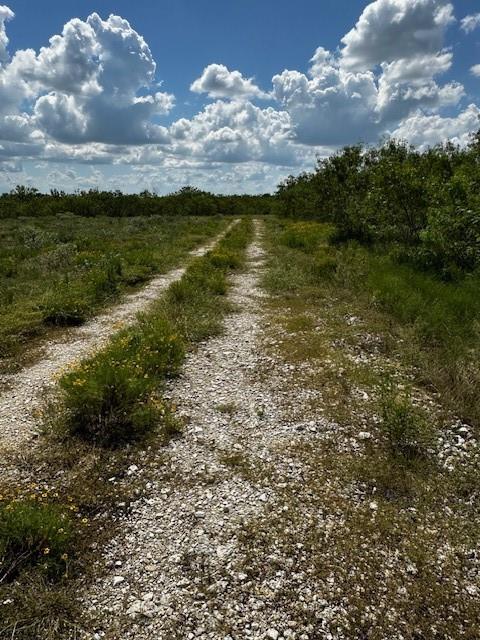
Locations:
(224, 95)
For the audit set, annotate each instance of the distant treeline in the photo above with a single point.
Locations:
(424, 207)
(27, 201)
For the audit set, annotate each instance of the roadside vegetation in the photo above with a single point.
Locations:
(406, 228)
(57, 272)
(107, 413)
(380, 506)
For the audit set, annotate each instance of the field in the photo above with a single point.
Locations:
(282, 443)
(57, 272)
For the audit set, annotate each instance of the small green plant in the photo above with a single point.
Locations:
(64, 307)
(409, 435)
(32, 533)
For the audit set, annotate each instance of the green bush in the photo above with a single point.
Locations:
(32, 533)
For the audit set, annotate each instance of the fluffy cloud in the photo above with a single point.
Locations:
(330, 107)
(5, 14)
(476, 70)
(84, 86)
(236, 131)
(385, 72)
(391, 30)
(408, 84)
(335, 105)
(470, 23)
(219, 82)
(428, 130)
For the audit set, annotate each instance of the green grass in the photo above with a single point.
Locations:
(379, 528)
(32, 533)
(431, 324)
(408, 433)
(59, 271)
(438, 321)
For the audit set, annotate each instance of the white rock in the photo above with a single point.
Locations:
(118, 580)
(364, 435)
(272, 634)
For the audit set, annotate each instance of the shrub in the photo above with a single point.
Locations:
(32, 533)
(106, 279)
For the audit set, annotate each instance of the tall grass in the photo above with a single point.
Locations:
(434, 324)
(438, 321)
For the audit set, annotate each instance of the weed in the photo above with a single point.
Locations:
(409, 434)
(32, 533)
(108, 398)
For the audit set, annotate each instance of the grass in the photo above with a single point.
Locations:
(378, 527)
(438, 321)
(408, 433)
(432, 325)
(59, 271)
(111, 415)
(34, 534)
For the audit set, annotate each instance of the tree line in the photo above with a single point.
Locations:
(28, 201)
(424, 207)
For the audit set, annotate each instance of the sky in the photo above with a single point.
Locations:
(230, 96)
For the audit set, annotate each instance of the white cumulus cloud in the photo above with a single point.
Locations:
(219, 82)
(476, 70)
(390, 30)
(428, 130)
(5, 14)
(470, 23)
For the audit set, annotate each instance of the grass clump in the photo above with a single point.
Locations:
(34, 534)
(65, 307)
(110, 398)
